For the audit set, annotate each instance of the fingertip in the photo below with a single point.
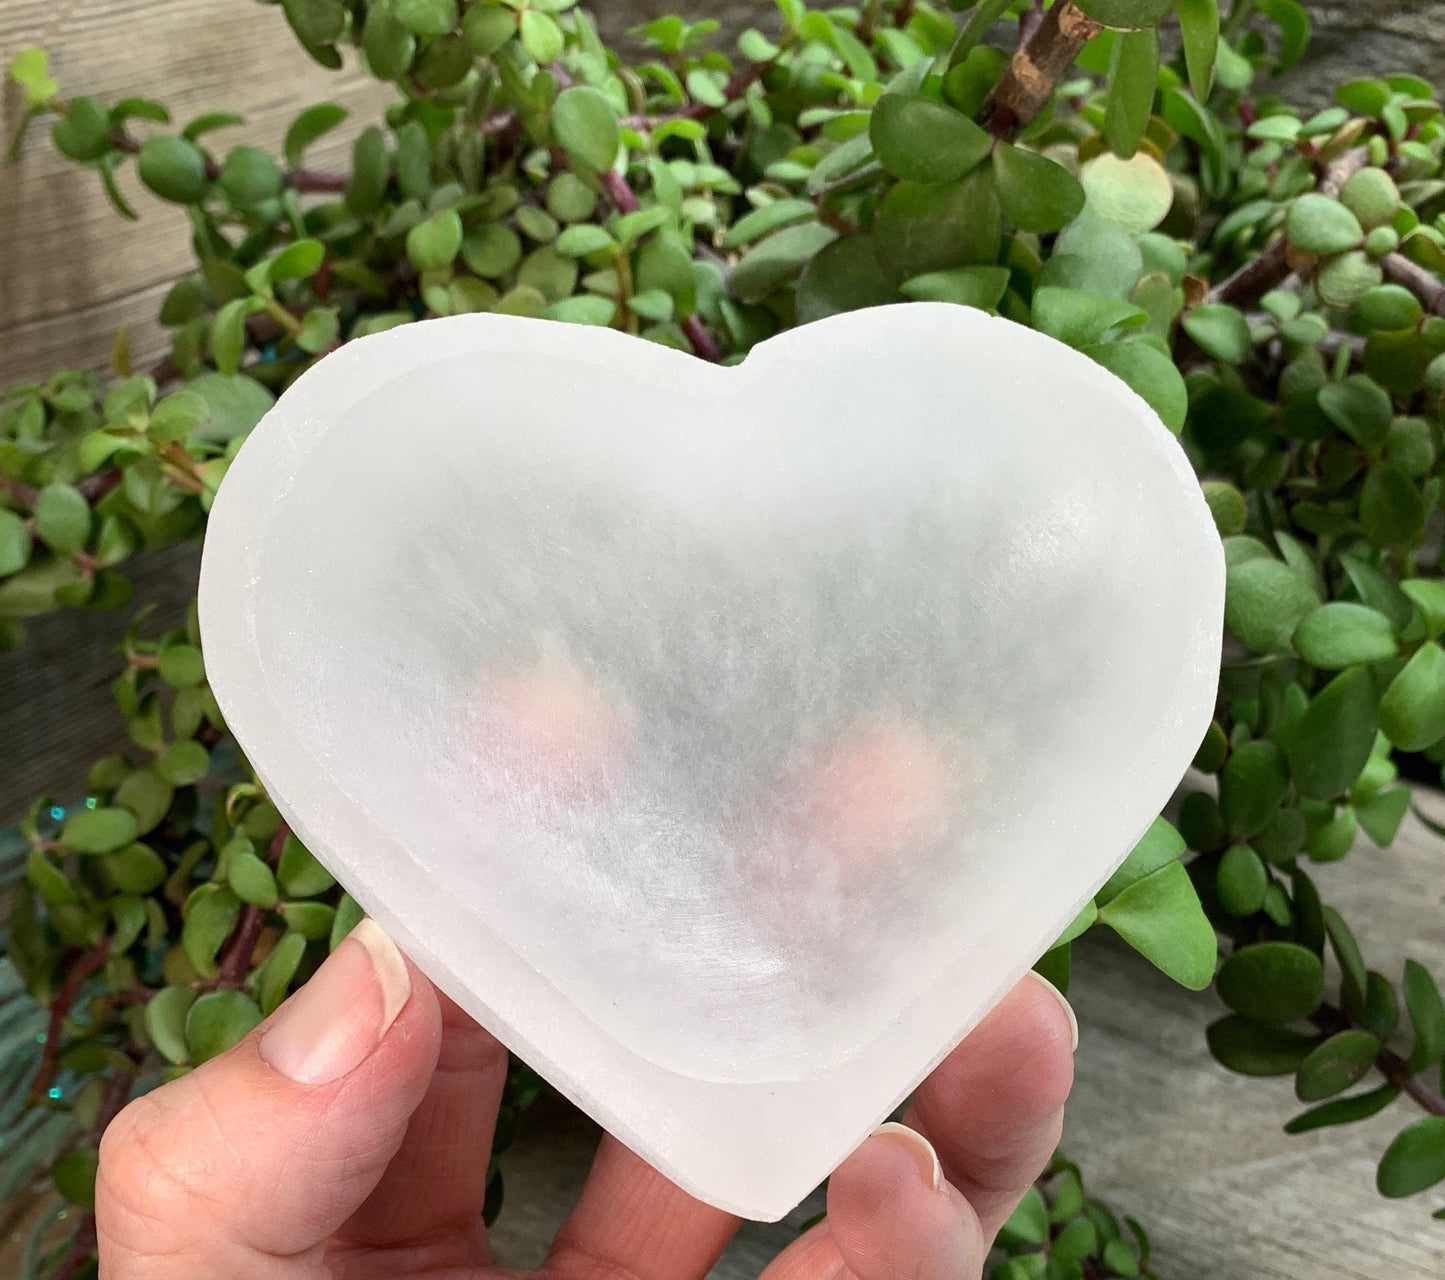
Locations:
(891, 1212)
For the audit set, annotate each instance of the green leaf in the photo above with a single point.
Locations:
(48, 880)
(427, 17)
(843, 276)
(1158, 847)
(178, 415)
(1251, 786)
(313, 920)
(348, 916)
(83, 132)
(1344, 1110)
(183, 763)
(1321, 224)
(770, 217)
(1094, 255)
(320, 329)
(181, 666)
(542, 38)
(585, 238)
(1429, 596)
(228, 334)
(14, 543)
(1359, 407)
(488, 27)
(209, 920)
(1199, 29)
(492, 250)
(1427, 1017)
(1029, 1223)
(1219, 329)
(1264, 602)
(315, 22)
(165, 1019)
(62, 518)
(1241, 880)
(1336, 1064)
(1136, 195)
(1294, 30)
(1380, 816)
(173, 168)
(236, 403)
(308, 126)
(1415, 1160)
(218, 1020)
(1328, 744)
(103, 830)
(389, 47)
(583, 309)
(777, 260)
(147, 797)
(297, 261)
(1342, 634)
(920, 139)
(274, 974)
(1275, 983)
(1079, 318)
(1252, 1049)
(1149, 373)
(74, 1177)
(1034, 192)
(980, 287)
(30, 69)
(1412, 712)
(435, 243)
(921, 228)
(1133, 77)
(252, 880)
(1392, 510)
(1354, 978)
(298, 873)
(1124, 15)
(585, 124)
(664, 264)
(1160, 917)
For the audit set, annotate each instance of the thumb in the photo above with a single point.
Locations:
(248, 1163)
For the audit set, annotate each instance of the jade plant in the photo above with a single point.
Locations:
(1271, 281)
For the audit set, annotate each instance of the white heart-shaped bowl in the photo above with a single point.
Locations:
(725, 740)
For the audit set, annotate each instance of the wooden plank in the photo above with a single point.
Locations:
(72, 269)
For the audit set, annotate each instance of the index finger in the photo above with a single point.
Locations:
(994, 1108)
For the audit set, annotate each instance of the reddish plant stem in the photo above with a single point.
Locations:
(736, 86)
(81, 1251)
(1256, 278)
(621, 195)
(297, 179)
(624, 200)
(701, 339)
(1039, 63)
(82, 1247)
(1397, 1071)
(59, 1007)
(235, 958)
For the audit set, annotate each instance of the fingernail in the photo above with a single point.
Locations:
(335, 1022)
(919, 1147)
(1063, 1004)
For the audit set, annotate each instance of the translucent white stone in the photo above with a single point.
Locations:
(727, 741)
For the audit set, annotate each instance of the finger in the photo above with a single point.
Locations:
(631, 1221)
(993, 1109)
(891, 1216)
(247, 1164)
(433, 1189)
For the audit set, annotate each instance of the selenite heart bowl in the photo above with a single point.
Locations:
(726, 740)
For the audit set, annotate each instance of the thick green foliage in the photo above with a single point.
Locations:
(1270, 283)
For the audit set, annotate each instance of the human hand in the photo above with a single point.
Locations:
(347, 1137)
